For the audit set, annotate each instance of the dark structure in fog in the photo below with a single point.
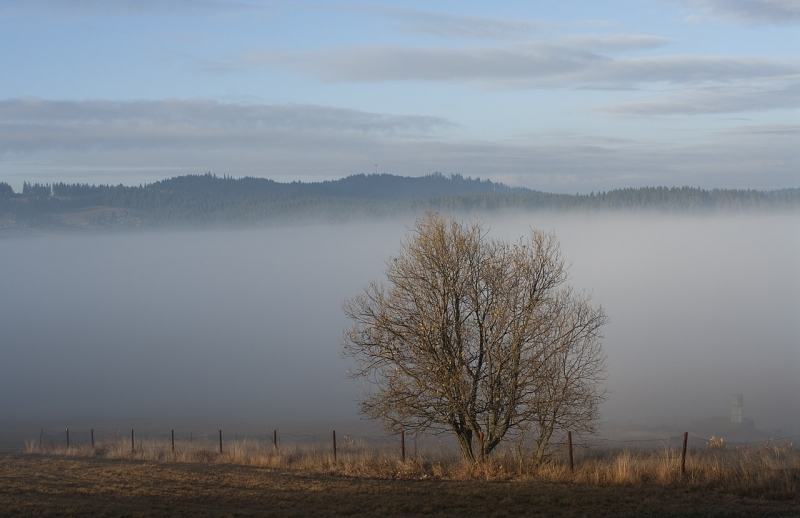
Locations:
(737, 401)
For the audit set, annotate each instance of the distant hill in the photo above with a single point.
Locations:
(211, 201)
(360, 186)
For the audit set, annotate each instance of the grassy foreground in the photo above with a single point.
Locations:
(48, 485)
(771, 471)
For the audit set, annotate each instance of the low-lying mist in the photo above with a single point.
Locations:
(246, 324)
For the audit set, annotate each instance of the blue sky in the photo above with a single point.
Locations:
(559, 96)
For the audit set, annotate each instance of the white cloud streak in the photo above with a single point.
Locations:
(779, 12)
(615, 42)
(407, 20)
(515, 67)
(122, 7)
(454, 26)
(709, 101)
(48, 122)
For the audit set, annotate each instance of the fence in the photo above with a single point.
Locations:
(320, 443)
(329, 444)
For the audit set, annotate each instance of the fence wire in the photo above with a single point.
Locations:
(322, 442)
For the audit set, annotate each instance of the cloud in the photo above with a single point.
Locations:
(131, 142)
(779, 12)
(408, 20)
(122, 7)
(514, 67)
(764, 131)
(452, 25)
(52, 121)
(147, 140)
(615, 42)
(709, 101)
(377, 64)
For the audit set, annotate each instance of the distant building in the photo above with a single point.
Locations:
(737, 402)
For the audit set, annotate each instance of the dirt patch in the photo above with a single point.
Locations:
(33, 485)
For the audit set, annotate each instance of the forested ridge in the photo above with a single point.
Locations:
(211, 201)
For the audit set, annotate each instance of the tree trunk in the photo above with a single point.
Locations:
(465, 442)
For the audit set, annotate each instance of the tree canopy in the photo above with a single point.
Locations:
(477, 337)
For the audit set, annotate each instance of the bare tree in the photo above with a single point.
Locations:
(477, 337)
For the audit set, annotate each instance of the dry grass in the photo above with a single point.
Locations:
(772, 470)
(51, 485)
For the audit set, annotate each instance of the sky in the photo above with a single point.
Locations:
(559, 96)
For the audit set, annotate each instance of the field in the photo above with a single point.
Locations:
(250, 480)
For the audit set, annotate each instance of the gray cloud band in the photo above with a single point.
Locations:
(411, 20)
(206, 113)
(708, 101)
(447, 25)
(125, 7)
(543, 66)
(750, 11)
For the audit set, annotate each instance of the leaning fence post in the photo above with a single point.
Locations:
(173, 440)
(334, 446)
(683, 454)
(275, 439)
(220, 441)
(132, 450)
(92, 437)
(403, 445)
(569, 447)
(67, 438)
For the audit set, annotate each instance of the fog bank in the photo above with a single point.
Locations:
(246, 324)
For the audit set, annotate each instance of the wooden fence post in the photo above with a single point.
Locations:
(683, 454)
(334, 446)
(275, 439)
(92, 437)
(403, 445)
(220, 441)
(67, 438)
(173, 440)
(132, 449)
(569, 446)
(41, 435)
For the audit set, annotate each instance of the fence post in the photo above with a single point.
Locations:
(173, 440)
(132, 450)
(220, 441)
(41, 435)
(480, 444)
(275, 439)
(569, 446)
(92, 437)
(403, 445)
(683, 454)
(67, 438)
(334, 446)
